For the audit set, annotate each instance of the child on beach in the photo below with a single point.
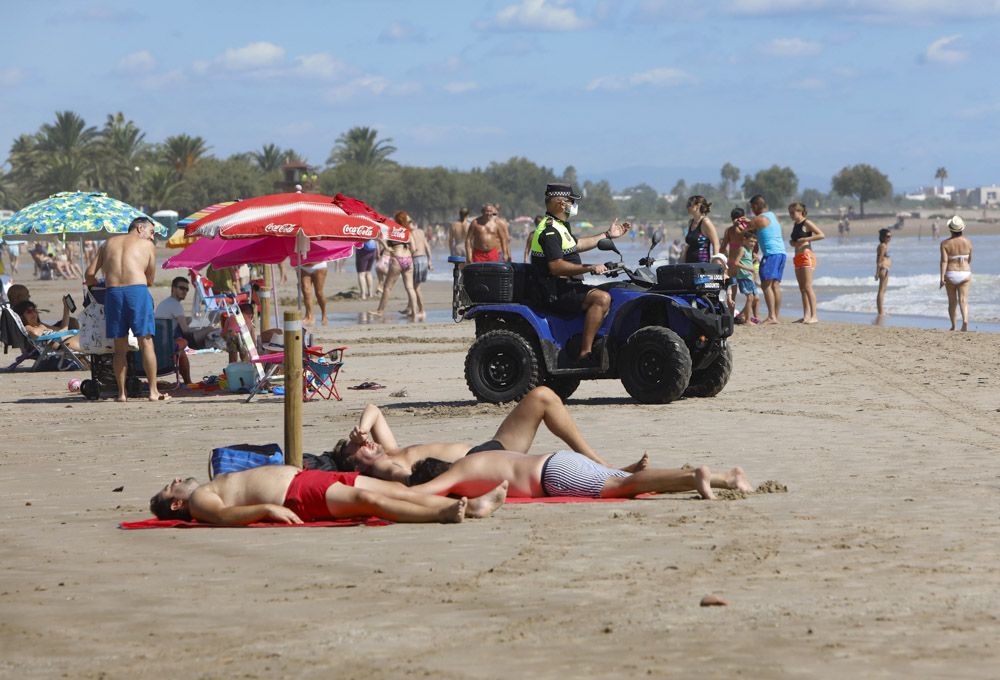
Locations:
(746, 272)
(732, 241)
(804, 232)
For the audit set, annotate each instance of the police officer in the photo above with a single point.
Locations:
(555, 261)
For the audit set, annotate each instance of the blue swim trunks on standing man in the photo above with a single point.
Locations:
(128, 307)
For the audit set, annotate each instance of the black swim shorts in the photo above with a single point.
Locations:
(491, 445)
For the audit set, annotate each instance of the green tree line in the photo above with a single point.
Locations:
(180, 173)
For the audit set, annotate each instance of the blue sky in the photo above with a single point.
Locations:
(653, 88)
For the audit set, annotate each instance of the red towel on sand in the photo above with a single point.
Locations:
(370, 522)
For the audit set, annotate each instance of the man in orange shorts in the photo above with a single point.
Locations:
(287, 495)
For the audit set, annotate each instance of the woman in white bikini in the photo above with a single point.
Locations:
(882, 264)
(956, 270)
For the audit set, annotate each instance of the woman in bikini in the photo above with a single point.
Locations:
(956, 270)
(702, 240)
(804, 232)
(400, 265)
(882, 264)
(35, 327)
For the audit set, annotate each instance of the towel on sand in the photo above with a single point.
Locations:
(370, 522)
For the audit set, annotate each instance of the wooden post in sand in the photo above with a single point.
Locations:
(293, 388)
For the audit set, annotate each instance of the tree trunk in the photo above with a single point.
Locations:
(861, 203)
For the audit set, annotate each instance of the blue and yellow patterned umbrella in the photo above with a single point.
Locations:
(76, 215)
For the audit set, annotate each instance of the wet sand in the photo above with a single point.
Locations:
(879, 560)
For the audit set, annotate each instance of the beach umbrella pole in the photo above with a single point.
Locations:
(293, 388)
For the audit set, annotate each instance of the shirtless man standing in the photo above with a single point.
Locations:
(487, 239)
(372, 448)
(457, 232)
(287, 495)
(129, 265)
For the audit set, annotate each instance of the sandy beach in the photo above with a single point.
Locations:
(876, 562)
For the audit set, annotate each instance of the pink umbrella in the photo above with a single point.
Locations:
(235, 252)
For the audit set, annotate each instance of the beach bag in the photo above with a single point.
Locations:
(93, 330)
(237, 457)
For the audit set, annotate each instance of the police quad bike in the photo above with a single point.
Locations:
(664, 337)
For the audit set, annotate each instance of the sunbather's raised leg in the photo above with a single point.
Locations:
(518, 430)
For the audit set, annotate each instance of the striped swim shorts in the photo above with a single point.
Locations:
(568, 473)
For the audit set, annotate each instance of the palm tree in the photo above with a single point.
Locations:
(941, 174)
(70, 135)
(270, 158)
(361, 146)
(160, 187)
(122, 148)
(730, 176)
(182, 152)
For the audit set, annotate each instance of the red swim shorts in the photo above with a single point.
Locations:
(486, 255)
(306, 495)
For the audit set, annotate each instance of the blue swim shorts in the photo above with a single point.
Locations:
(746, 286)
(128, 307)
(772, 267)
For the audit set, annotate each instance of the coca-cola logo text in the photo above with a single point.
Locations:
(398, 234)
(362, 230)
(279, 228)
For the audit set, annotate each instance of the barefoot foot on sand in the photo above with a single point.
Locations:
(375, 312)
(455, 513)
(159, 396)
(487, 504)
(703, 482)
(639, 465)
(121, 398)
(737, 480)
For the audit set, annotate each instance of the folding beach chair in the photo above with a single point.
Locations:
(49, 350)
(206, 303)
(319, 373)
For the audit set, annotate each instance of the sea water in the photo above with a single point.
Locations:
(844, 280)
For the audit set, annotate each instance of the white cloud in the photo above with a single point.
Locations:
(791, 47)
(939, 52)
(11, 76)
(809, 84)
(401, 31)
(258, 55)
(982, 111)
(163, 81)
(538, 15)
(868, 9)
(459, 88)
(657, 77)
(370, 86)
(321, 66)
(136, 63)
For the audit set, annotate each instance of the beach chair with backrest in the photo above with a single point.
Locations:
(319, 373)
(48, 351)
(207, 303)
(166, 347)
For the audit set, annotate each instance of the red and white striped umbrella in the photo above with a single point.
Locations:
(314, 215)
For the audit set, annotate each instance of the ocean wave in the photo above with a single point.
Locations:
(983, 307)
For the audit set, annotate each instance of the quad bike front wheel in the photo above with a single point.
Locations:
(501, 366)
(709, 381)
(655, 366)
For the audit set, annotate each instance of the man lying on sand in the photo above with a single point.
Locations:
(287, 495)
(388, 460)
(563, 473)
